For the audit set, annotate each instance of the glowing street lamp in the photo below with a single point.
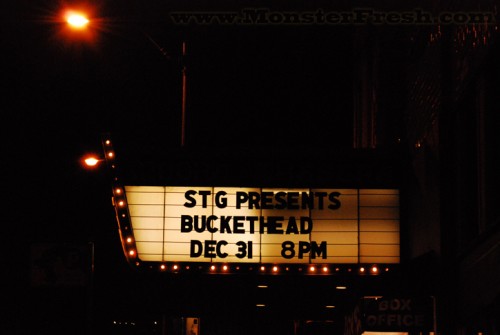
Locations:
(77, 20)
(92, 161)
(79, 25)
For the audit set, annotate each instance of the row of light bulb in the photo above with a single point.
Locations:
(266, 269)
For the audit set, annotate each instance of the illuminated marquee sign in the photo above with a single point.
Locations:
(260, 225)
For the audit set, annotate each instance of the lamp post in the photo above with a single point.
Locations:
(93, 161)
(81, 26)
(184, 83)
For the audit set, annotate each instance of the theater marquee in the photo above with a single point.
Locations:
(163, 224)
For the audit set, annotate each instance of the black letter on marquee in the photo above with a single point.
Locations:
(293, 200)
(307, 200)
(241, 197)
(219, 252)
(287, 249)
(254, 201)
(210, 248)
(335, 203)
(210, 226)
(304, 248)
(224, 224)
(267, 200)
(220, 201)
(196, 248)
(189, 196)
(186, 223)
(280, 200)
(292, 226)
(238, 225)
(306, 225)
(320, 196)
(318, 250)
(204, 195)
(252, 220)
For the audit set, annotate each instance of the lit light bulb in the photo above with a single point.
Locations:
(91, 161)
(77, 20)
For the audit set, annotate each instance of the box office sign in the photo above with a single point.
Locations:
(391, 314)
(260, 225)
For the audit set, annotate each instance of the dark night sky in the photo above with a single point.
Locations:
(247, 85)
(263, 87)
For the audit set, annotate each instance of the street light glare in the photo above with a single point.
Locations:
(79, 26)
(77, 20)
(91, 161)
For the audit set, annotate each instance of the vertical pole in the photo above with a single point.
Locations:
(359, 226)
(164, 324)
(90, 293)
(183, 122)
(434, 315)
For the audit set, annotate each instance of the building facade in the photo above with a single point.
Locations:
(451, 118)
